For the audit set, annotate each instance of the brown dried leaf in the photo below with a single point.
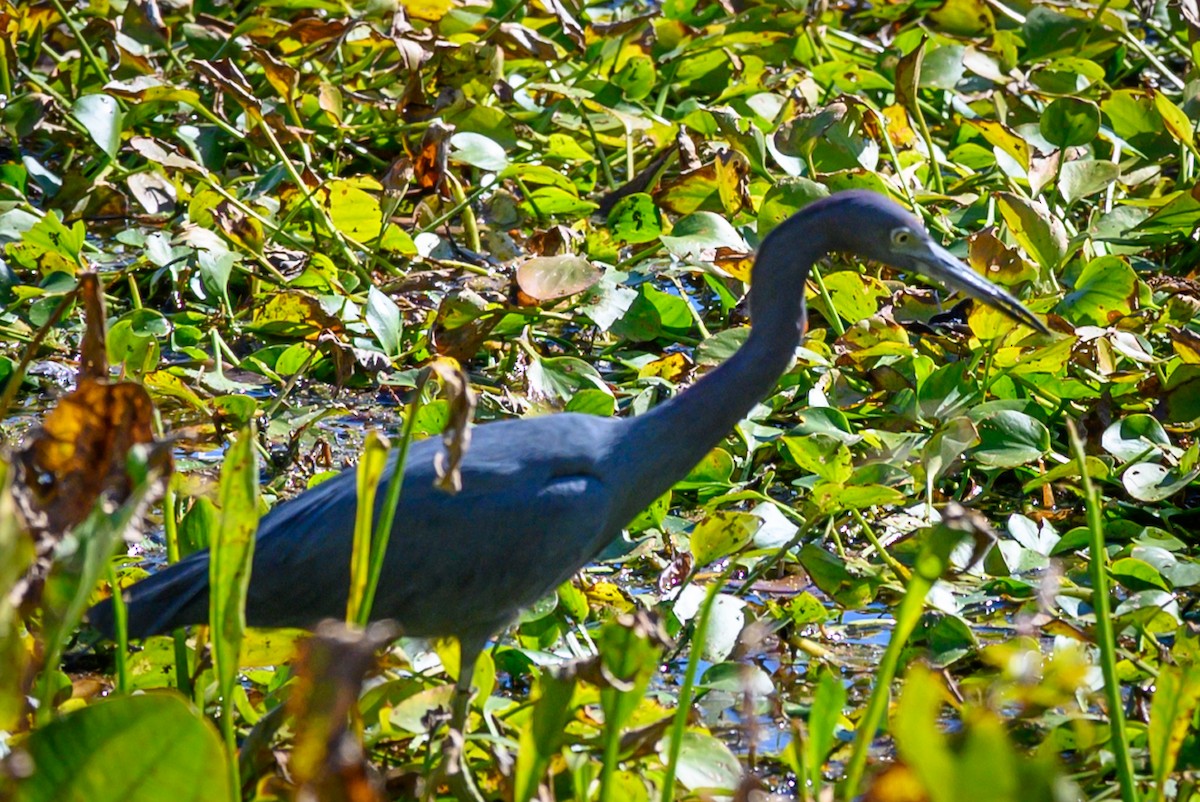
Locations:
(79, 454)
(155, 193)
(996, 261)
(227, 77)
(456, 437)
(526, 42)
(327, 760)
(160, 153)
(1186, 344)
(908, 77)
(283, 79)
(93, 356)
(310, 30)
(430, 164)
(570, 27)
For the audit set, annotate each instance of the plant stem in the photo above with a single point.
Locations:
(383, 528)
(1105, 635)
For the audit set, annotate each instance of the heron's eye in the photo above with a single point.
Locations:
(901, 236)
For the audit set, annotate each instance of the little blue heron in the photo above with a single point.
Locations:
(542, 496)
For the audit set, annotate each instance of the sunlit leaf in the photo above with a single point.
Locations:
(546, 278)
(478, 150)
(1041, 234)
(722, 534)
(74, 757)
(635, 219)
(103, 119)
(1104, 291)
(1085, 177)
(706, 763)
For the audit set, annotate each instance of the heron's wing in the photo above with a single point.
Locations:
(465, 565)
(532, 510)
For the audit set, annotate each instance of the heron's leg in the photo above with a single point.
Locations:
(468, 655)
(459, 776)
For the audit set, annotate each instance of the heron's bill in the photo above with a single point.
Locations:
(944, 268)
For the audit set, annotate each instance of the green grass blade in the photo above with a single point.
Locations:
(229, 575)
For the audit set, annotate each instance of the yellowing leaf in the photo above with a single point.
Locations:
(1005, 138)
(670, 367)
(354, 212)
(428, 10)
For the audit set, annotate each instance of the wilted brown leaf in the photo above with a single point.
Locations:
(79, 454)
(457, 435)
(294, 314)
(327, 760)
(996, 261)
(430, 164)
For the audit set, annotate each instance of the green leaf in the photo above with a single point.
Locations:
(630, 657)
(558, 378)
(698, 235)
(706, 763)
(1176, 696)
(1086, 177)
(1040, 233)
(851, 589)
(547, 278)
(820, 454)
(232, 556)
(1135, 436)
(1137, 575)
(637, 77)
(1176, 121)
(371, 464)
(49, 246)
(963, 18)
(1009, 439)
(478, 150)
(127, 749)
(543, 735)
(1149, 482)
(1104, 291)
(592, 402)
(1069, 122)
(721, 534)
(16, 555)
(784, 199)
(919, 738)
(825, 716)
(103, 119)
(943, 66)
(948, 443)
(635, 219)
(354, 212)
(855, 297)
(383, 318)
(832, 498)
(557, 201)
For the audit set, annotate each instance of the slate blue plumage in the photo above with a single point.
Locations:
(541, 497)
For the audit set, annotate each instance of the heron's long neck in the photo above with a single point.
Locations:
(662, 446)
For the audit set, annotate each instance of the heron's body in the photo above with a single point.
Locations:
(542, 496)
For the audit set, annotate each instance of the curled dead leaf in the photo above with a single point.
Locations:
(457, 435)
(78, 456)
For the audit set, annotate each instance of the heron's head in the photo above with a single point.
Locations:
(874, 227)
